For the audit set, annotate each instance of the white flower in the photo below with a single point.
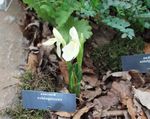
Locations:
(71, 50)
(58, 39)
(2, 2)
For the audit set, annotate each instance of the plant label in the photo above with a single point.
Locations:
(139, 62)
(49, 101)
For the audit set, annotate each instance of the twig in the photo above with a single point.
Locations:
(113, 113)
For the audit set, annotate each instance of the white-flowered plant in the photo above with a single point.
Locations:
(69, 51)
(58, 39)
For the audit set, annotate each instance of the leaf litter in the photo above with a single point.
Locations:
(116, 95)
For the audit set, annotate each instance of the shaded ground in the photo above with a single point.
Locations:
(10, 54)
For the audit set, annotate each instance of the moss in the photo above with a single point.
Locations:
(29, 81)
(41, 81)
(108, 57)
(20, 113)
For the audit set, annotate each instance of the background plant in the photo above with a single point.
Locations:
(75, 70)
(125, 15)
(71, 53)
(59, 13)
(108, 57)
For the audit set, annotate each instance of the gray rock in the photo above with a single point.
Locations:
(11, 55)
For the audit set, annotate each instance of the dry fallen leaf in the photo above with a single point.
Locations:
(131, 108)
(137, 79)
(135, 109)
(106, 76)
(96, 114)
(85, 86)
(63, 117)
(91, 80)
(147, 48)
(143, 96)
(123, 75)
(83, 110)
(64, 71)
(33, 62)
(107, 101)
(147, 113)
(35, 23)
(64, 114)
(46, 31)
(123, 90)
(113, 113)
(140, 112)
(90, 95)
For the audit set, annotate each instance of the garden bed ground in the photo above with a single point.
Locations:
(106, 91)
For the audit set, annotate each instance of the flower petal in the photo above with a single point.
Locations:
(74, 34)
(70, 51)
(58, 36)
(49, 42)
(58, 49)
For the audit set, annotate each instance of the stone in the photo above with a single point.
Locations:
(11, 55)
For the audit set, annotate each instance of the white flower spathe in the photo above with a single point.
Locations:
(71, 50)
(2, 2)
(58, 39)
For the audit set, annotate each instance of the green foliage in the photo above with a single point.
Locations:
(120, 12)
(108, 57)
(59, 14)
(75, 70)
(89, 8)
(123, 15)
(82, 26)
(147, 3)
(56, 12)
(121, 25)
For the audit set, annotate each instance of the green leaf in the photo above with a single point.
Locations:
(63, 12)
(82, 26)
(148, 3)
(55, 12)
(45, 12)
(61, 17)
(30, 2)
(147, 25)
(144, 15)
(121, 25)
